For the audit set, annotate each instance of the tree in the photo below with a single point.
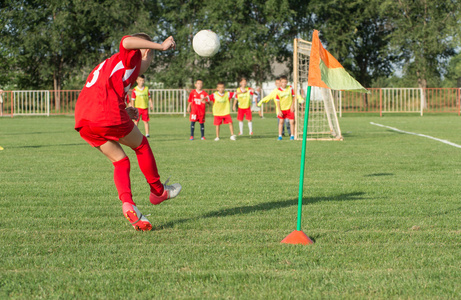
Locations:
(51, 41)
(424, 35)
(253, 34)
(357, 35)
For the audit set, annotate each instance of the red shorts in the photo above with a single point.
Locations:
(143, 114)
(244, 112)
(197, 118)
(218, 120)
(97, 136)
(287, 114)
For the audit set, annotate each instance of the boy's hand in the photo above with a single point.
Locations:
(280, 114)
(132, 113)
(168, 44)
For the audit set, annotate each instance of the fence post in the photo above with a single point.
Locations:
(12, 107)
(184, 101)
(422, 101)
(458, 104)
(380, 102)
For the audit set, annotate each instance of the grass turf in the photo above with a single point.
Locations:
(382, 207)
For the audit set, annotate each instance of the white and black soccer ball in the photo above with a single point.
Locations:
(206, 43)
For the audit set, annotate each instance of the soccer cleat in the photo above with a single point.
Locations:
(292, 138)
(191, 138)
(240, 133)
(170, 191)
(135, 217)
(251, 133)
(233, 137)
(216, 139)
(147, 135)
(203, 138)
(279, 138)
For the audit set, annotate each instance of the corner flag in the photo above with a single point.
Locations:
(325, 71)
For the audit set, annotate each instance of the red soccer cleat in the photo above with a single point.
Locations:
(135, 217)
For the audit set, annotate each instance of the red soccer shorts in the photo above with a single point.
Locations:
(194, 117)
(97, 136)
(218, 120)
(287, 114)
(143, 114)
(244, 112)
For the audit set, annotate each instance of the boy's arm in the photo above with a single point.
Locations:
(235, 102)
(132, 43)
(151, 104)
(188, 107)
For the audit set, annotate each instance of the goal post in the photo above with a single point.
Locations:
(323, 118)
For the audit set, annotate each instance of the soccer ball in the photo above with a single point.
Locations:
(206, 43)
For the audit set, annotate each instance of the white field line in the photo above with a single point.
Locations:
(419, 134)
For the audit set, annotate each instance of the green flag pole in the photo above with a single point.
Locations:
(297, 236)
(303, 158)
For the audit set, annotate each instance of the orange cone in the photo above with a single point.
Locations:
(297, 237)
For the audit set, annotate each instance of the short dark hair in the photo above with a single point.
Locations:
(220, 82)
(143, 36)
(199, 80)
(242, 78)
(142, 76)
(277, 78)
(283, 77)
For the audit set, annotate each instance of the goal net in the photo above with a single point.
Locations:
(323, 119)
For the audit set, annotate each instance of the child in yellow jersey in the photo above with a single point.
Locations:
(221, 109)
(285, 101)
(272, 96)
(140, 98)
(244, 99)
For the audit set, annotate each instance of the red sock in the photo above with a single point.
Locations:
(122, 180)
(148, 166)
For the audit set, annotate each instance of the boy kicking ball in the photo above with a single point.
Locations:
(103, 121)
(221, 109)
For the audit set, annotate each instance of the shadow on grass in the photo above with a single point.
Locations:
(48, 145)
(242, 210)
(378, 174)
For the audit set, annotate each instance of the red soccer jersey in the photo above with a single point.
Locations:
(197, 107)
(102, 100)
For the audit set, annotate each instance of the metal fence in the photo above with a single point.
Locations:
(175, 101)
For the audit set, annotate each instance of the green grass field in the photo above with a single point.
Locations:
(383, 209)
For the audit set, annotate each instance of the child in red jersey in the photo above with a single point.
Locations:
(104, 121)
(197, 107)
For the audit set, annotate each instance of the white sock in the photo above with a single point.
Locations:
(241, 126)
(250, 126)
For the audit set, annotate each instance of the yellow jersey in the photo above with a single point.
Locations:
(221, 106)
(244, 99)
(141, 97)
(285, 96)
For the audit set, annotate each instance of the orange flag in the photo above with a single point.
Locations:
(325, 71)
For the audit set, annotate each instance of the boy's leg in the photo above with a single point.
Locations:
(146, 128)
(240, 127)
(114, 152)
(292, 125)
(146, 160)
(217, 131)
(281, 122)
(192, 129)
(288, 123)
(202, 129)
(231, 127)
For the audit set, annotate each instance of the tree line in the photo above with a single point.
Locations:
(55, 44)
